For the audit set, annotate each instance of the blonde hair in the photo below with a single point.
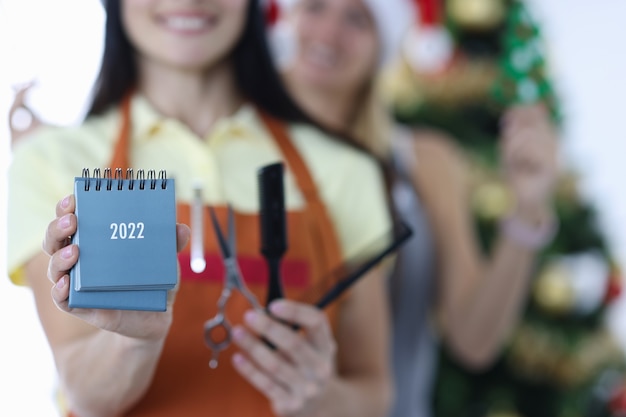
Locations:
(372, 126)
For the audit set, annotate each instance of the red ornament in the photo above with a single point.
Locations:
(614, 288)
(428, 46)
(272, 12)
(617, 402)
(429, 11)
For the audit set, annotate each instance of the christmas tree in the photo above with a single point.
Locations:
(560, 360)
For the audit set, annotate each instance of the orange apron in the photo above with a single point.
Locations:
(183, 384)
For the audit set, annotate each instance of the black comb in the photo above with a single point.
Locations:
(273, 225)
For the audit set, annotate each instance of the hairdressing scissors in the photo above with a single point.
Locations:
(233, 280)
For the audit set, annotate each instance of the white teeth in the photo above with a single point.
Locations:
(186, 23)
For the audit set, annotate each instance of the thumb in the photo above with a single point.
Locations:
(183, 232)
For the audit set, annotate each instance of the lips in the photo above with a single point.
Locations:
(187, 23)
(321, 55)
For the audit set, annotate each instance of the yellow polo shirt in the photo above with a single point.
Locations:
(225, 162)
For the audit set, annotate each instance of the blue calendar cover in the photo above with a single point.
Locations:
(126, 235)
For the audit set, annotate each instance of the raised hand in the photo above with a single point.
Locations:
(528, 152)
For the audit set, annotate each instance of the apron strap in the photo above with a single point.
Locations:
(122, 146)
(323, 226)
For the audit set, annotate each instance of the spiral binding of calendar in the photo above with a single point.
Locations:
(109, 180)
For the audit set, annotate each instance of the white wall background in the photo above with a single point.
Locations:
(587, 53)
(59, 44)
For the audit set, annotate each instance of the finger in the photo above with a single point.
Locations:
(260, 380)
(526, 114)
(312, 320)
(270, 361)
(534, 124)
(299, 350)
(61, 262)
(66, 205)
(525, 160)
(511, 116)
(61, 292)
(516, 147)
(60, 229)
(182, 238)
(183, 233)
(533, 138)
(58, 233)
(540, 132)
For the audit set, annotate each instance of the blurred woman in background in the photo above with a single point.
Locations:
(339, 47)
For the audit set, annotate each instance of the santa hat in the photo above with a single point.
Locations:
(392, 17)
(428, 46)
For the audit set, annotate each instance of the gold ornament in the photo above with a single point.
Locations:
(534, 353)
(491, 200)
(479, 15)
(553, 291)
(542, 354)
(465, 81)
(567, 187)
(399, 87)
(587, 357)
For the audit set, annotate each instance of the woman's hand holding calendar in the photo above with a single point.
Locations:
(64, 255)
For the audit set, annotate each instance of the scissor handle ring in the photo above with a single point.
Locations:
(213, 324)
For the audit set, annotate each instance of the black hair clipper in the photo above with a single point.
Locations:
(273, 225)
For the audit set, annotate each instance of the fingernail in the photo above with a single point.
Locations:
(64, 222)
(238, 333)
(60, 283)
(278, 307)
(65, 203)
(66, 252)
(238, 359)
(251, 317)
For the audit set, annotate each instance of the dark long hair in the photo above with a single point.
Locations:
(255, 74)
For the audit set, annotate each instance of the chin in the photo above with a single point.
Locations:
(191, 65)
(193, 60)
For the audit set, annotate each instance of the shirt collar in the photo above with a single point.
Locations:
(146, 121)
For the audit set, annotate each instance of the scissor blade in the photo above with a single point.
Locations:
(226, 253)
(232, 235)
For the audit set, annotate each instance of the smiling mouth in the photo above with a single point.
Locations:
(322, 56)
(187, 24)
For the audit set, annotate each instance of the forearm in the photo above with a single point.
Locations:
(478, 324)
(489, 312)
(124, 368)
(363, 386)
